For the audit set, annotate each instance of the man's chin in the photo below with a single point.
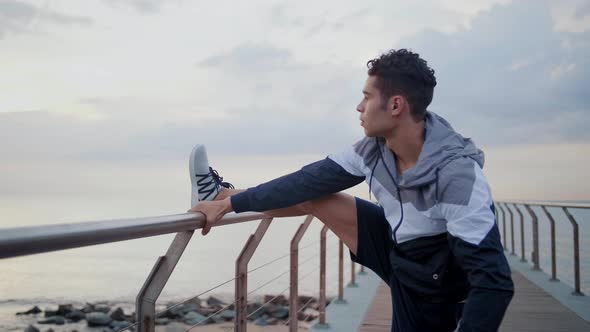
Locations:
(369, 134)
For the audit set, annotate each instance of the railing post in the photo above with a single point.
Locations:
(522, 255)
(511, 228)
(149, 293)
(504, 224)
(553, 263)
(535, 222)
(241, 285)
(322, 323)
(294, 277)
(340, 299)
(576, 252)
(352, 282)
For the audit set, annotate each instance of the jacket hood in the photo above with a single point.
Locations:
(442, 144)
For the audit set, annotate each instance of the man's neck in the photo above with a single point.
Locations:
(406, 143)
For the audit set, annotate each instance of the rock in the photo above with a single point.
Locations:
(228, 314)
(98, 319)
(181, 310)
(31, 328)
(32, 311)
(50, 313)
(276, 311)
(118, 314)
(88, 308)
(213, 301)
(50, 330)
(261, 321)
(162, 321)
(119, 324)
(206, 311)
(174, 311)
(301, 316)
(269, 307)
(314, 305)
(279, 300)
(253, 312)
(57, 320)
(303, 306)
(188, 307)
(308, 315)
(102, 308)
(64, 309)
(175, 327)
(305, 299)
(76, 315)
(280, 312)
(193, 318)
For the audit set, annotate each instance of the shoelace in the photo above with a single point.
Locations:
(219, 180)
(204, 183)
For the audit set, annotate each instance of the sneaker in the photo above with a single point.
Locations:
(205, 181)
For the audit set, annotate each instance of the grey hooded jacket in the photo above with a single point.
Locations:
(442, 207)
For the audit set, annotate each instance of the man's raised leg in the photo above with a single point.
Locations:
(337, 211)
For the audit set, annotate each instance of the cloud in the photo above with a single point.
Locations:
(265, 77)
(582, 11)
(18, 17)
(505, 77)
(141, 6)
(510, 78)
(251, 58)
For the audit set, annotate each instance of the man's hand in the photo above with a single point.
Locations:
(213, 211)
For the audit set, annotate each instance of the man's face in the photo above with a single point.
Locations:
(375, 120)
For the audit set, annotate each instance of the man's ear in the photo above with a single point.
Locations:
(395, 105)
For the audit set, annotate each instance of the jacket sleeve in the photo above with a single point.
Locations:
(310, 182)
(466, 204)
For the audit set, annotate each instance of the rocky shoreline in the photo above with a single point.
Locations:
(268, 310)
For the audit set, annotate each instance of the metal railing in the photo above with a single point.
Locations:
(23, 241)
(535, 234)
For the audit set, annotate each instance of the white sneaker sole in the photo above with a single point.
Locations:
(192, 169)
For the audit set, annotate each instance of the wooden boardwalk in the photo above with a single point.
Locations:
(531, 309)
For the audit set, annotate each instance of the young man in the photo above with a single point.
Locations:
(433, 237)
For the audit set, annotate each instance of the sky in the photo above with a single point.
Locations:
(106, 98)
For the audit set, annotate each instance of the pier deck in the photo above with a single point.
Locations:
(531, 309)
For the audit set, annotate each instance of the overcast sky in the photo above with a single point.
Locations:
(134, 84)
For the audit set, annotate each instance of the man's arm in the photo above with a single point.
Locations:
(310, 182)
(466, 204)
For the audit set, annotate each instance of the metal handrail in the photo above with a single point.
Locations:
(535, 234)
(551, 204)
(21, 241)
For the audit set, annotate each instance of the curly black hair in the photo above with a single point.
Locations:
(403, 72)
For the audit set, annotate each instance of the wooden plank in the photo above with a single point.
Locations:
(378, 317)
(531, 309)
